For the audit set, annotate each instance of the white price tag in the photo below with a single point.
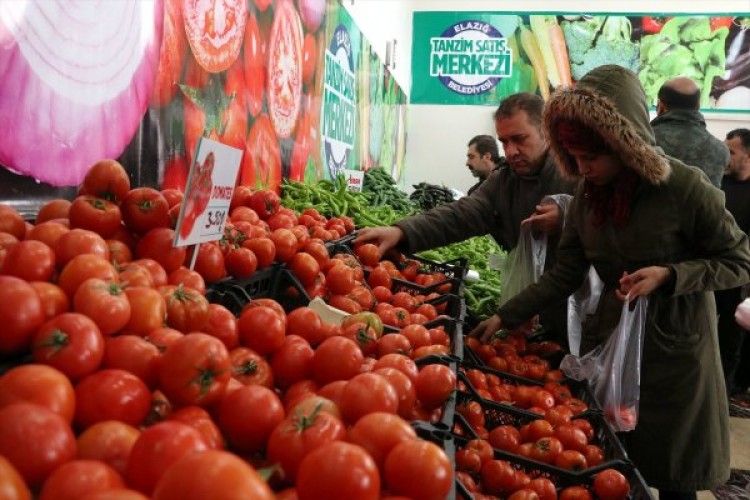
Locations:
(210, 185)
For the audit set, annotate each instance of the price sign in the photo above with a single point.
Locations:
(209, 191)
(354, 179)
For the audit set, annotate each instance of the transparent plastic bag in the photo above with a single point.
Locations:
(580, 305)
(524, 264)
(613, 369)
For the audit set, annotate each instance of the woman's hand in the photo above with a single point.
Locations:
(384, 237)
(546, 218)
(642, 282)
(487, 328)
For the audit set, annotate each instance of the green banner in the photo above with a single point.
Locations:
(479, 58)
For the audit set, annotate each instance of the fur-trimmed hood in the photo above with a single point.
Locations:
(610, 100)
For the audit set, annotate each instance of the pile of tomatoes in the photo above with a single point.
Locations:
(134, 386)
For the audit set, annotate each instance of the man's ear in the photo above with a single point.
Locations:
(660, 107)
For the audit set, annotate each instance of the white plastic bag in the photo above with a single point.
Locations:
(524, 264)
(580, 305)
(614, 368)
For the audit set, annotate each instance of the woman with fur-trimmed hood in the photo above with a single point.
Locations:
(649, 225)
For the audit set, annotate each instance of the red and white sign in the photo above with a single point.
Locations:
(355, 179)
(210, 185)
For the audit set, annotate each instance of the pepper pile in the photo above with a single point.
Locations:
(427, 196)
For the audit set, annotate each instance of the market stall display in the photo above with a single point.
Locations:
(285, 348)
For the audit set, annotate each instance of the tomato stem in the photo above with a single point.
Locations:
(57, 340)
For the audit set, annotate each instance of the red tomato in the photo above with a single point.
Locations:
(147, 310)
(611, 484)
(215, 42)
(223, 325)
(95, 214)
(293, 362)
(299, 434)
(13, 486)
(378, 433)
(367, 393)
(109, 442)
(111, 394)
(46, 232)
(209, 263)
(157, 244)
(41, 385)
(208, 474)
(35, 440)
(187, 309)
(246, 428)
(241, 263)
(261, 329)
(594, 455)
(70, 342)
(261, 165)
(188, 278)
(133, 354)
(306, 323)
(544, 487)
(76, 478)
(404, 387)
(285, 68)
(195, 370)
(399, 362)
(11, 222)
(474, 414)
(105, 303)
(285, 243)
(418, 469)
(156, 449)
(58, 209)
(338, 470)
(21, 314)
(106, 179)
(720, 22)
(305, 267)
(77, 242)
(364, 336)
(336, 358)
(250, 368)
(199, 419)
(30, 260)
(505, 437)
(144, 209)
(546, 449)
(158, 274)
(264, 250)
(575, 493)
(571, 437)
(571, 460)
(434, 384)
(133, 275)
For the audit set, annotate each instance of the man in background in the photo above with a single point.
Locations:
(482, 158)
(680, 129)
(736, 186)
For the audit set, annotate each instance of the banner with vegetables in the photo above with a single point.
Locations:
(482, 57)
(293, 83)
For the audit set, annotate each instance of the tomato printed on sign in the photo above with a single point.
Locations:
(285, 69)
(199, 193)
(261, 166)
(215, 30)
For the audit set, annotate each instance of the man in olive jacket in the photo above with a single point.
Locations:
(681, 130)
(670, 239)
(510, 195)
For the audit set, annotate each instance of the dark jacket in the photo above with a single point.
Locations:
(501, 163)
(677, 220)
(682, 134)
(496, 208)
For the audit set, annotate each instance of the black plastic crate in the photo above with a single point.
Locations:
(274, 282)
(563, 478)
(497, 414)
(579, 389)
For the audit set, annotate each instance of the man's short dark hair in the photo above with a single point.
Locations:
(743, 134)
(674, 99)
(532, 104)
(485, 144)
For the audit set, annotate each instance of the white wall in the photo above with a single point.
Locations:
(437, 135)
